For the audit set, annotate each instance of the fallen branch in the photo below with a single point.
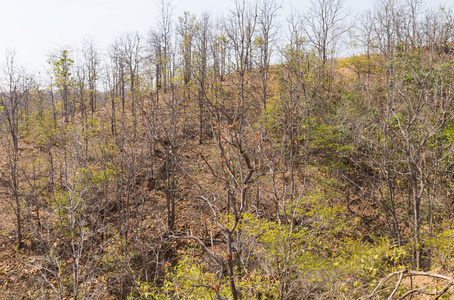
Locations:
(407, 273)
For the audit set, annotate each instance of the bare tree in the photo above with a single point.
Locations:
(186, 31)
(325, 24)
(92, 64)
(388, 21)
(110, 81)
(200, 71)
(14, 88)
(118, 72)
(266, 37)
(165, 32)
(437, 29)
(240, 29)
(130, 44)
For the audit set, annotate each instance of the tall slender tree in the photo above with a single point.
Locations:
(13, 93)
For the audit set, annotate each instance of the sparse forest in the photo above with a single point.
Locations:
(235, 158)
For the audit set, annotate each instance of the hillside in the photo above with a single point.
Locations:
(195, 169)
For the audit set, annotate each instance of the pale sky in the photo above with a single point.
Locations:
(33, 28)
